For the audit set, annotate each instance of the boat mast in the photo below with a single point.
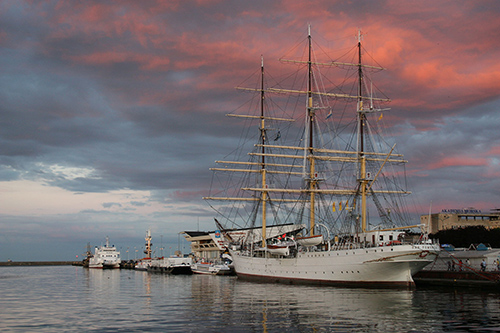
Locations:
(361, 151)
(310, 119)
(148, 251)
(263, 159)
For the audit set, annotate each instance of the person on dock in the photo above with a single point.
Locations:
(483, 265)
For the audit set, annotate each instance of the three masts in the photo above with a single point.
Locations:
(309, 198)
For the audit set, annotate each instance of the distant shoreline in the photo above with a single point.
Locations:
(35, 263)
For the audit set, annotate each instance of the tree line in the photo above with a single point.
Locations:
(464, 237)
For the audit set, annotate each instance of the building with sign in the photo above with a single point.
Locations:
(460, 218)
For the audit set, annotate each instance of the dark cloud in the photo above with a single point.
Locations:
(102, 98)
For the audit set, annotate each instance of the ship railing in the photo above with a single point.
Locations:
(364, 245)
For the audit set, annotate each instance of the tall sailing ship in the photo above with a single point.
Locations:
(336, 194)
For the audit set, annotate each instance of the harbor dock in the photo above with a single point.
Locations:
(37, 263)
(466, 279)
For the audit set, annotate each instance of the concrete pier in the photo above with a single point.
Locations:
(35, 263)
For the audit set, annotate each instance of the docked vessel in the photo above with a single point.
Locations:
(175, 265)
(105, 256)
(477, 266)
(144, 263)
(326, 181)
(211, 268)
(222, 266)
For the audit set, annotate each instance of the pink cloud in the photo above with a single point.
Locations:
(433, 62)
(455, 161)
(146, 61)
(494, 151)
(188, 195)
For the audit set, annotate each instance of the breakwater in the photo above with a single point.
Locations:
(35, 263)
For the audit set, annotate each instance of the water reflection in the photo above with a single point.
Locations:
(226, 302)
(77, 299)
(275, 306)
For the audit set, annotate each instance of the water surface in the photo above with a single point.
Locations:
(66, 298)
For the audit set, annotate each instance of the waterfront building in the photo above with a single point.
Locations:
(210, 245)
(202, 244)
(460, 218)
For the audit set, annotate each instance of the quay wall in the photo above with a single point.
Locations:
(35, 263)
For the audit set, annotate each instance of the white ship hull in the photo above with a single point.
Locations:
(143, 264)
(382, 266)
(211, 269)
(172, 265)
(104, 265)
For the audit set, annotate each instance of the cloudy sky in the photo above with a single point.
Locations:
(111, 112)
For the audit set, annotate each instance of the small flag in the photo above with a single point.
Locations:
(340, 205)
(333, 206)
(329, 114)
(380, 118)
(278, 135)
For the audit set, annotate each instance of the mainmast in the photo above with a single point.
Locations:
(310, 119)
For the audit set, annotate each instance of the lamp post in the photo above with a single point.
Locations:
(161, 245)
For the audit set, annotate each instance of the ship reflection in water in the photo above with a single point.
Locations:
(273, 307)
(65, 298)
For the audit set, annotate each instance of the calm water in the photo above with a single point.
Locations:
(66, 298)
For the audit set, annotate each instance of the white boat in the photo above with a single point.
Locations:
(331, 182)
(172, 265)
(143, 264)
(105, 256)
(211, 268)
(283, 250)
(310, 240)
